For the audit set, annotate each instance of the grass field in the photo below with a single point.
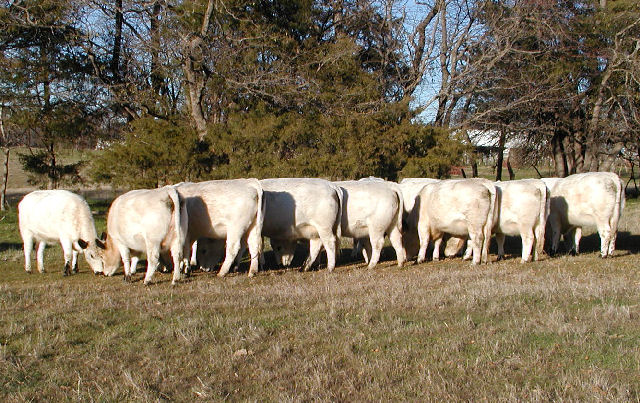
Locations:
(564, 328)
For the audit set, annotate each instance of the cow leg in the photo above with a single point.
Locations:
(468, 252)
(134, 265)
(236, 263)
(555, 238)
(193, 260)
(605, 239)
(539, 245)
(500, 242)
(423, 235)
(261, 257)
(40, 256)
(357, 248)
(314, 249)
(254, 244)
(577, 236)
(74, 261)
(377, 242)
(27, 247)
(476, 243)
(612, 242)
(67, 250)
(437, 244)
(125, 255)
(330, 243)
(366, 249)
(153, 258)
(176, 256)
(527, 245)
(233, 247)
(395, 236)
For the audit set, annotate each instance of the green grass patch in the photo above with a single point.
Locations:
(564, 328)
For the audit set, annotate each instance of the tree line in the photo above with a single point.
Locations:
(176, 90)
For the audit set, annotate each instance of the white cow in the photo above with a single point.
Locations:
(410, 188)
(302, 208)
(461, 208)
(149, 221)
(372, 208)
(587, 199)
(230, 210)
(47, 216)
(523, 210)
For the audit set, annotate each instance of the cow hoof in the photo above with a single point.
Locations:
(500, 257)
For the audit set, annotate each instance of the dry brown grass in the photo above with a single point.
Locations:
(565, 328)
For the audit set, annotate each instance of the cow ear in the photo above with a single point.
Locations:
(83, 244)
(103, 237)
(100, 244)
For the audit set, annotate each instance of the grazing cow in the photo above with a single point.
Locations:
(302, 208)
(523, 209)
(461, 208)
(229, 210)
(47, 216)
(587, 199)
(410, 188)
(370, 209)
(149, 221)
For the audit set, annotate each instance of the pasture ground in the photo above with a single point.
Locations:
(564, 328)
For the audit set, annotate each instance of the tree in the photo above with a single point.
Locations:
(565, 75)
(47, 87)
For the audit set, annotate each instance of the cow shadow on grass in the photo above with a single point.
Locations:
(5, 246)
(343, 258)
(625, 241)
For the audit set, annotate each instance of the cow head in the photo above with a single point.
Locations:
(92, 254)
(284, 250)
(110, 255)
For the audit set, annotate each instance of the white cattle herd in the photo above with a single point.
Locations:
(199, 223)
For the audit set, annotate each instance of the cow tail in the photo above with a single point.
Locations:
(400, 212)
(491, 218)
(179, 209)
(340, 195)
(618, 207)
(545, 206)
(262, 206)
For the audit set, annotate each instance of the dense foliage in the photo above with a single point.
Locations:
(194, 89)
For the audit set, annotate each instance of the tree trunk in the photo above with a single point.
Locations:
(512, 174)
(559, 157)
(610, 159)
(5, 179)
(156, 79)
(500, 158)
(196, 73)
(117, 42)
(53, 176)
(444, 71)
(6, 150)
